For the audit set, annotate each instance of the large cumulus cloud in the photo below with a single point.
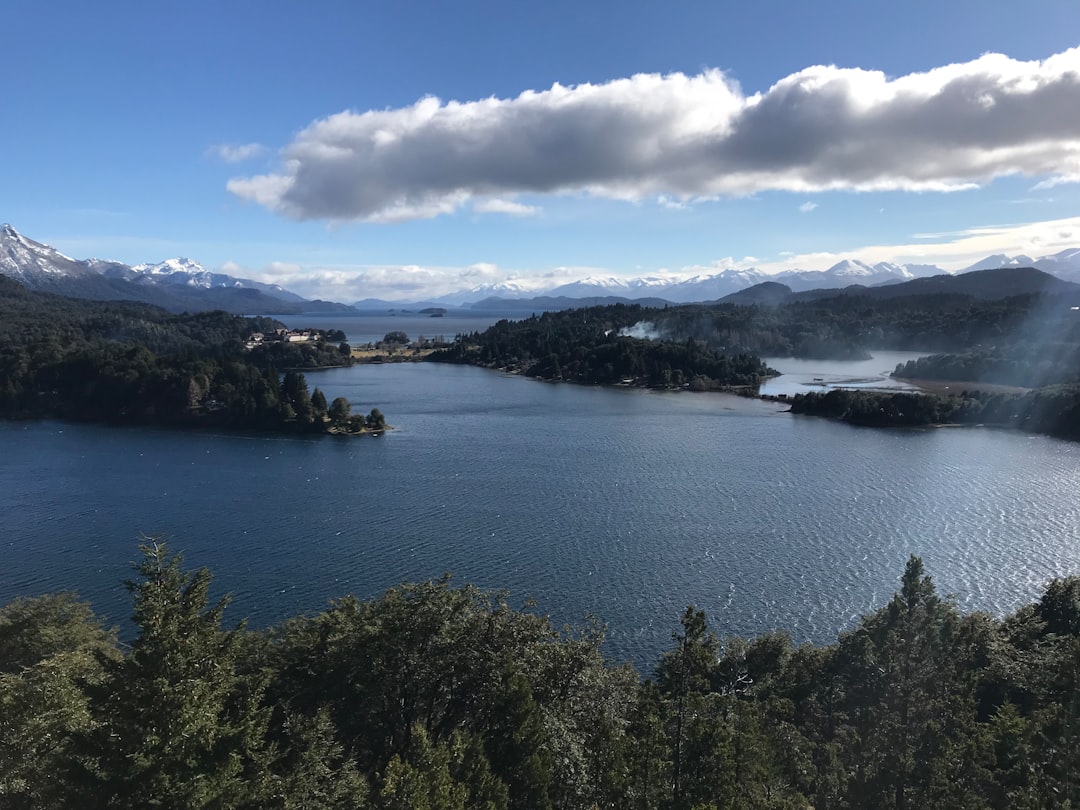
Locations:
(686, 137)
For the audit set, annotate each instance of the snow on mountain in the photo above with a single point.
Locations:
(42, 267)
(1000, 260)
(503, 289)
(593, 287)
(1064, 264)
(852, 271)
(923, 270)
(711, 287)
(25, 260)
(177, 268)
(850, 268)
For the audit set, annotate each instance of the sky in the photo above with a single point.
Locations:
(350, 150)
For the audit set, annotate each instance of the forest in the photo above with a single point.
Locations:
(1028, 340)
(1053, 410)
(129, 363)
(590, 346)
(439, 696)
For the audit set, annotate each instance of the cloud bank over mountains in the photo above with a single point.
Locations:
(681, 138)
(181, 283)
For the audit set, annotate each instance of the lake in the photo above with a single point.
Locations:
(624, 504)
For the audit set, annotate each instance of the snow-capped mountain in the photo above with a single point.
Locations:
(595, 287)
(1064, 264)
(185, 284)
(189, 273)
(24, 259)
(852, 271)
(710, 286)
(1000, 260)
(502, 289)
(176, 284)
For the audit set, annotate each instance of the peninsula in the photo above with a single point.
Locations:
(131, 363)
(991, 329)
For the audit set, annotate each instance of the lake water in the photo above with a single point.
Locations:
(803, 376)
(372, 327)
(621, 503)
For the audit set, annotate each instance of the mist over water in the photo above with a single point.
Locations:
(621, 503)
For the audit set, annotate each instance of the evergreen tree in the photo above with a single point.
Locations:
(517, 747)
(314, 773)
(647, 757)
(683, 676)
(339, 412)
(318, 403)
(177, 726)
(49, 648)
(912, 712)
(376, 420)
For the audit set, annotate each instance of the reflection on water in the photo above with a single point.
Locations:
(626, 504)
(800, 376)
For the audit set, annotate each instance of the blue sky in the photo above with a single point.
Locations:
(293, 143)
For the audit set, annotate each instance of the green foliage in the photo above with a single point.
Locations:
(51, 647)
(439, 697)
(176, 724)
(339, 411)
(318, 403)
(376, 420)
(1054, 411)
(1060, 606)
(584, 345)
(130, 364)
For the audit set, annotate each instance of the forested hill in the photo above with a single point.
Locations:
(611, 343)
(599, 345)
(134, 363)
(448, 699)
(989, 285)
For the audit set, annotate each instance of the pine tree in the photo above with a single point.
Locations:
(178, 727)
(49, 647)
(684, 676)
(912, 711)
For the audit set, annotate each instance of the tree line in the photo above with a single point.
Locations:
(1053, 410)
(590, 346)
(1029, 340)
(434, 696)
(131, 363)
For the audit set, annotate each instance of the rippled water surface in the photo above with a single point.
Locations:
(625, 504)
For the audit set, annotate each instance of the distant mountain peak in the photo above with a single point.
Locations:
(850, 267)
(34, 263)
(178, 284)
(176, 265)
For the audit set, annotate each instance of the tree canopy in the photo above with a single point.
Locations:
(436, 696)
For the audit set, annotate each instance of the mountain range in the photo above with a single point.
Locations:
(175, 284)
(183, 284)
(1065, 265)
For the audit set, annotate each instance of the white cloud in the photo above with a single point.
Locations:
(952, 250)
(402, 282)
(498, 205)
(1057, 180)
(688, 137)
(807, 207)
(235, 153)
